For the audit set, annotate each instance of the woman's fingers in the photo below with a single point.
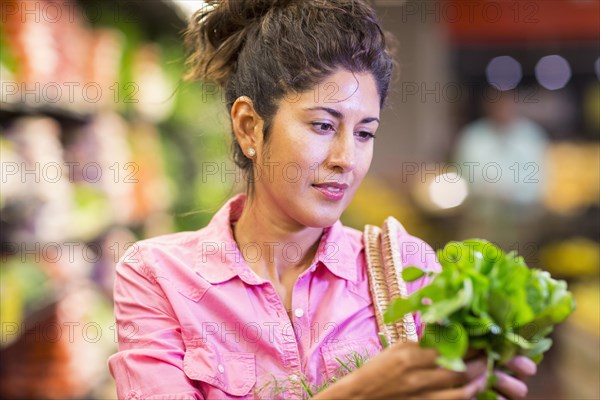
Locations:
(466, 392)
(513, 387)
(522, 366)
(475, 368)
(509, 386)
(441, 378)
(415, 355)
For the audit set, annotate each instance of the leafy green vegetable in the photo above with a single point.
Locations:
(412, 274)
(487, 300)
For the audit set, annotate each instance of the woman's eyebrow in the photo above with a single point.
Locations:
(339, 115)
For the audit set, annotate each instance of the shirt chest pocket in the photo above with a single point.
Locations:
(221, 375)
(350, 352)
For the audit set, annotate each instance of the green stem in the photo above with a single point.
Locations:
(491, 379)
(306, 388)
(383, 340)
(343, 364)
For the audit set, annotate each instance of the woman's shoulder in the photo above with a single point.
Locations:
(172, 241)
(158, 249)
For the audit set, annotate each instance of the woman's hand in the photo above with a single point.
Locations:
(514, 387)
(407, 371)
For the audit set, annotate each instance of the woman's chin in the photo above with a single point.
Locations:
(324, 214)
(322, 219)
(315, 212)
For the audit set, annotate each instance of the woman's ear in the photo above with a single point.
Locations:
(247, 125)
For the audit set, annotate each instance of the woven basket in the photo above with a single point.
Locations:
(384, 269)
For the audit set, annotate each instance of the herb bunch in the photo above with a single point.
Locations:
(302, 388)
(486, 300)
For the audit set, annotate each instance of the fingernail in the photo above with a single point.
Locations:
(523, 364)
(516, 386)
(529, 366)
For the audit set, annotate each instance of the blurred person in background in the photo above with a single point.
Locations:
(501, 155)
(275, 286)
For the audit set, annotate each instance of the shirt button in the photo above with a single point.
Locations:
(293, 377)
(221, 368)
(298, 312)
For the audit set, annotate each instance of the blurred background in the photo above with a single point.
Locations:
(492, 131)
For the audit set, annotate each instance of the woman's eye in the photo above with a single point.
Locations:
(366, 135)
(323, 126)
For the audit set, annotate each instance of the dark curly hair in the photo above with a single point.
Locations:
(267, 49)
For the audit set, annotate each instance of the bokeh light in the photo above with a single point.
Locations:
(448, 190)
(553, 72)
(504, 73)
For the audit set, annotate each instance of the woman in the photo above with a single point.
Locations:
(273, 291)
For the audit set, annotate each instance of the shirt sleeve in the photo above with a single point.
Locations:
(149, 361)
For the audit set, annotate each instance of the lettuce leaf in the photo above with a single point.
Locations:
(485, 299)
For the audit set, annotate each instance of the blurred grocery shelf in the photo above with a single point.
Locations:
(97, 135)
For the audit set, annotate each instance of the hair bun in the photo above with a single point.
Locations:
(217, 32)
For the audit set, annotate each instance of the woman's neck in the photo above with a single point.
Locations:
(273, 246)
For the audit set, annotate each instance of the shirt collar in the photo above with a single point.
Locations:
(219, 258)
(336, 252)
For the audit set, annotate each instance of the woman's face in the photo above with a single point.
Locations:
(319, 150)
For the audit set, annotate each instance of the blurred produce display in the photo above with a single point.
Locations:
(574, 181)
(101, 144)
(586, 317)
(572, 258)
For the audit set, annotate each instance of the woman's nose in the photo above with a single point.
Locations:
(343, 153)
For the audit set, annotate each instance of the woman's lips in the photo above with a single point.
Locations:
(332, 190)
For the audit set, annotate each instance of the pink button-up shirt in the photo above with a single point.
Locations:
(196, 322)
